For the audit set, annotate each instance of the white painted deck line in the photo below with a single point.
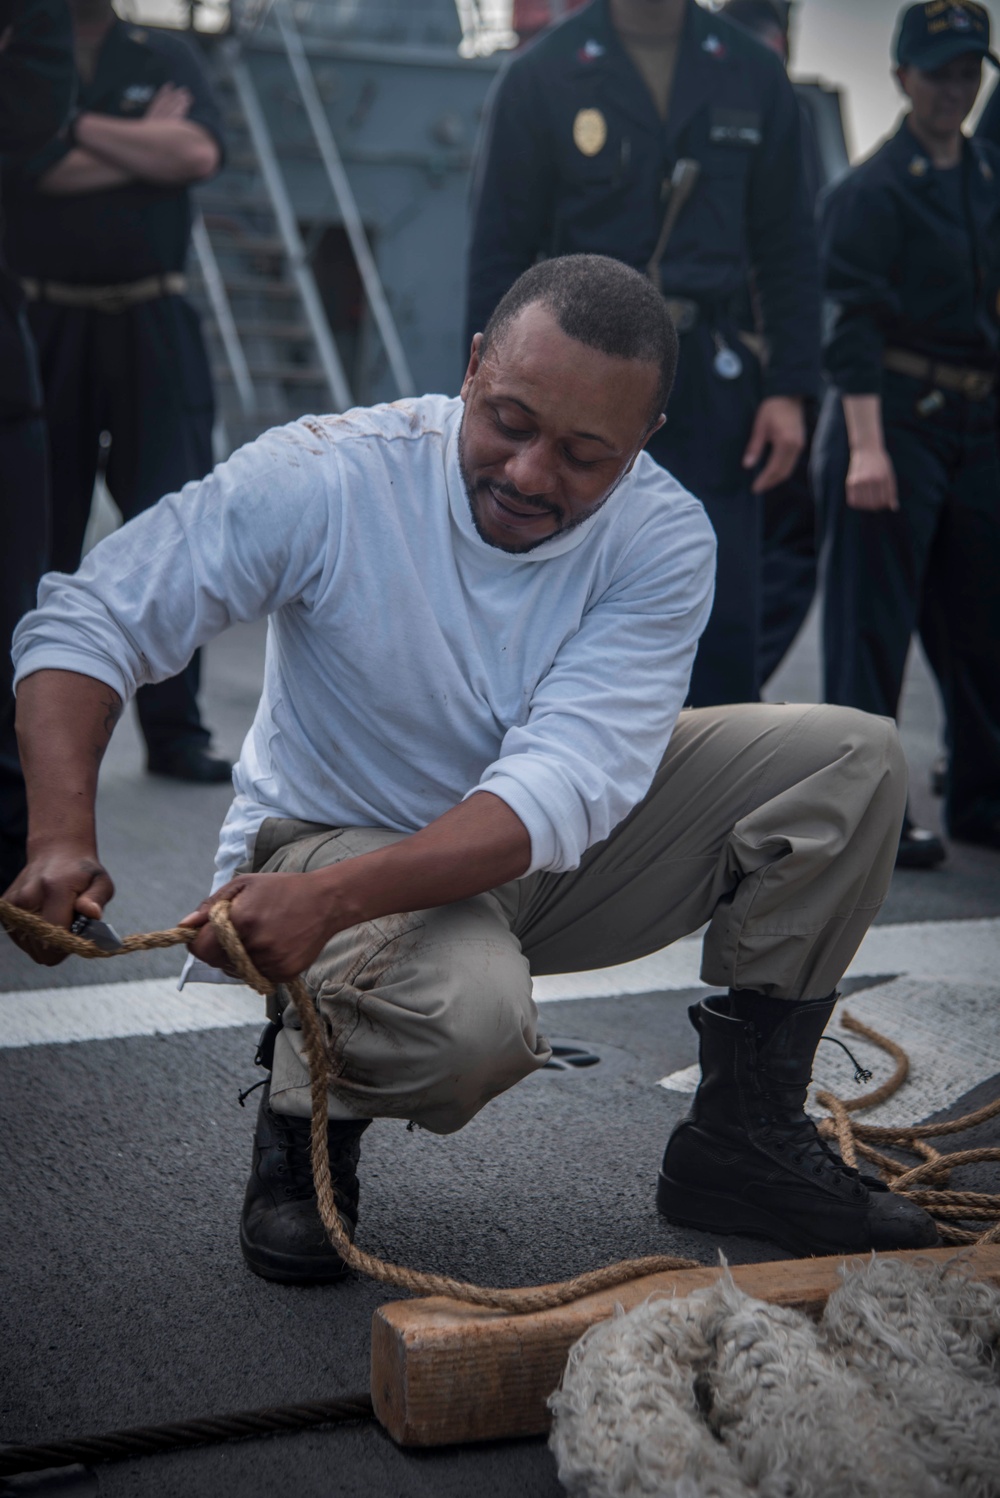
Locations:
(951, 952)
(959, 951)
(109, 1011)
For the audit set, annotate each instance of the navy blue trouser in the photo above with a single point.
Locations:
(141, 375)
(933, 566)
(24, 543)
(788, 570)
(702, 444)
(24, 526)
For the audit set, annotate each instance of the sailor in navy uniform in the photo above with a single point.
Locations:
(37, 84)
(581, 147)
(906, 457)
(97, 227)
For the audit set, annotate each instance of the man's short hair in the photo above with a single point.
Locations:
(603, 304)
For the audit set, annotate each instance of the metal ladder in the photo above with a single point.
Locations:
(274, 355)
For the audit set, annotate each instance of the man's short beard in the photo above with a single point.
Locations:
(470, 489)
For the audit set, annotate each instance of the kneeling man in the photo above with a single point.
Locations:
(469, 764)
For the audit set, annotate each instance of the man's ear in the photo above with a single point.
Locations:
(900, 74)
(471, 372)
(660, 420)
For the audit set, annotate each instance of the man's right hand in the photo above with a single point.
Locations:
(871, 480)
(170, 103)
(60, 883)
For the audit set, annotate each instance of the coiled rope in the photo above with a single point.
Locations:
(927, 1183)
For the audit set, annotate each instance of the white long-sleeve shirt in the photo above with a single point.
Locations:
(408, 662)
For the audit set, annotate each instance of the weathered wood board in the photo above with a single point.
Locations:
(443, 1373)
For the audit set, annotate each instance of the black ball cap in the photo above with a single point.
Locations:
(932, 34)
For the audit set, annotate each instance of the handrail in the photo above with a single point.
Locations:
(274, 182)
(223, 313)
(347, 203)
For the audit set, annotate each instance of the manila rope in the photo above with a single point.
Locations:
(925, 1183)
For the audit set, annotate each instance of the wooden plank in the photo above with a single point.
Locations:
(444, 1373)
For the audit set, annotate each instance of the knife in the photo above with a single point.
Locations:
(99, 932)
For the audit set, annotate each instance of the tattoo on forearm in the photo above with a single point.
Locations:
(113, 712)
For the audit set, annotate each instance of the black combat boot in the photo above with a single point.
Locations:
(748, 1160)
(281, 1233)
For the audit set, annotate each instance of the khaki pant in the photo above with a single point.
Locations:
(776, 824)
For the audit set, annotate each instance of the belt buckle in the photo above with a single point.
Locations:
(683, 313)
(111, 301)
(977, 385)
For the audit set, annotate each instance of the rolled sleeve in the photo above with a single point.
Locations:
(859, 245)
(187, 71)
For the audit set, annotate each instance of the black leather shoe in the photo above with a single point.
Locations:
(748, 1160)
(919, 848)
(281, 1234)
(190, 762)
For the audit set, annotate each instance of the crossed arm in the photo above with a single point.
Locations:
(164, 147)
(64, 724)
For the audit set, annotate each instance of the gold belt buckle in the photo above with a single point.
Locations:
(977, 384)
(113, 300)
(683, 312)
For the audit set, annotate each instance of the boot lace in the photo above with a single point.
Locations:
(295, 1168)
(296, 1163)
(798, 1141)
(793, 1134)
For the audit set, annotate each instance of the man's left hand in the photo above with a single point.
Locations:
(282, 920)
(780, 425)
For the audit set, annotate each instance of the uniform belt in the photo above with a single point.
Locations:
(974, 384)
(685, 314)
(756, 343)
(105, 298)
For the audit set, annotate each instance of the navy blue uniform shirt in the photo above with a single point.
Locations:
(37, 83)
(120, 233)
(911, 259)
(36, 73)
(537, 192)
